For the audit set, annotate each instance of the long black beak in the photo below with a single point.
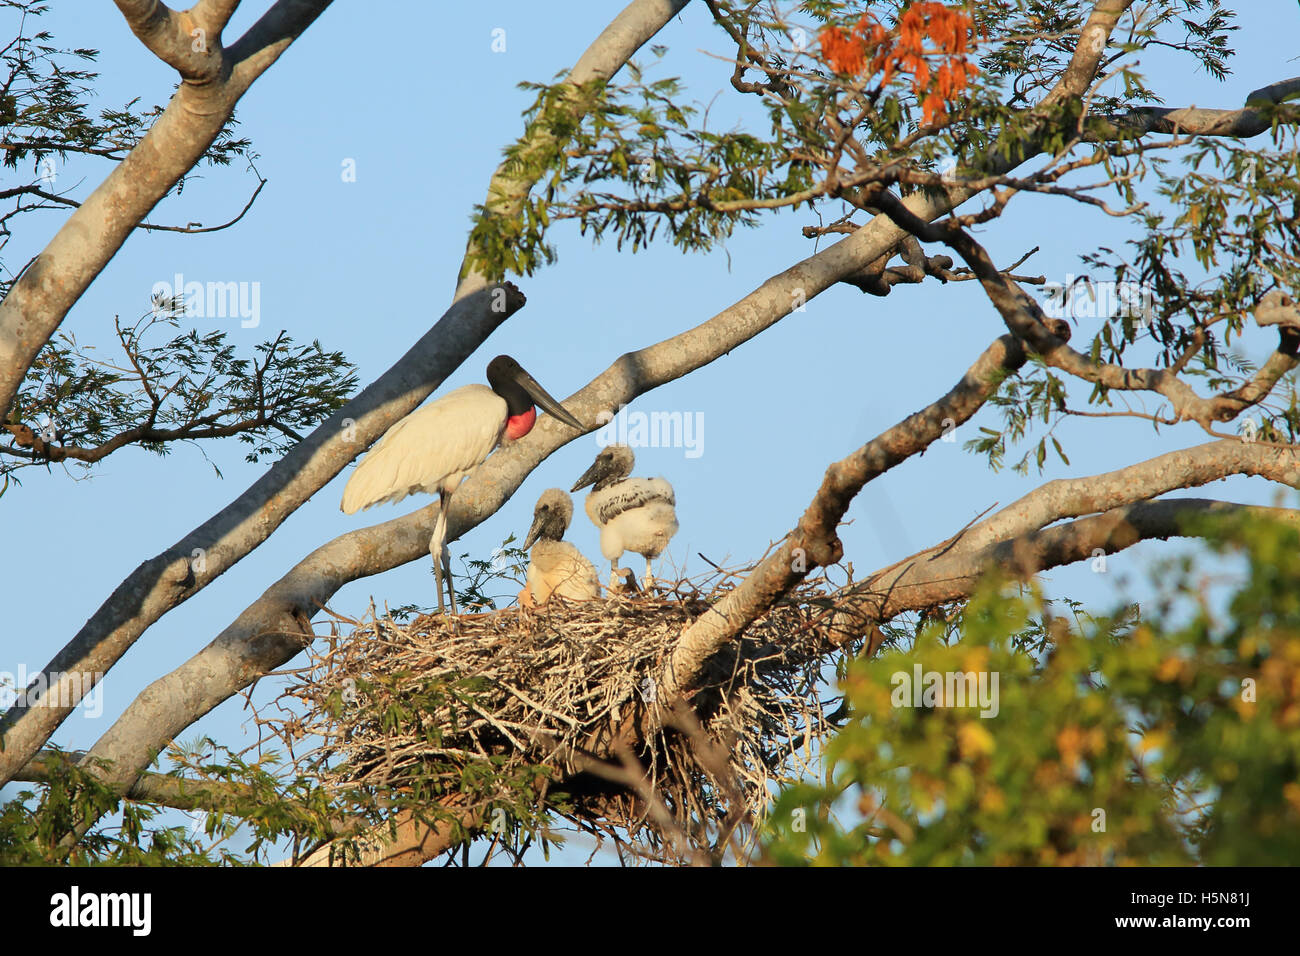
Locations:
(535, 531)
(548, 522)
(544, 399)
(591, 475)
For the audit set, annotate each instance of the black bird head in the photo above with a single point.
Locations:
(521, 391)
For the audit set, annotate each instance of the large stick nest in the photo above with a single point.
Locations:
(555, 709)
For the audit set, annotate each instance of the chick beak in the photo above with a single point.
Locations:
(597, 471)
(539, 522)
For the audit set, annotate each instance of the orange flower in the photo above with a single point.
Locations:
(925, 30)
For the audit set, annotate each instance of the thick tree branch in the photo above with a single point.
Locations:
(508, 190)
(814, 542)
(161, 789)
(1250, 120)
(955, 577)
(180, 793)
(1065, 498)
(1185, 468)
(415, 842)
(172, 577)
(1088, 51)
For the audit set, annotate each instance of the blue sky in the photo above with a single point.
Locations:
(414, 95)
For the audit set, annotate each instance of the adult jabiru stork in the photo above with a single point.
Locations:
(438, 446)
(554, 565)
(633, 514)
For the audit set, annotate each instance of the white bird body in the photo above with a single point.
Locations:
(438, 446)
(554, 565)
(557, 567)
(633, 514)
(444, 442)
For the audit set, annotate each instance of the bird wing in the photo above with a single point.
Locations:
(633, 493)
(447, 437)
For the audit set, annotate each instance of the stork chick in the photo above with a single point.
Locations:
(436, 447)
(555, 566)
(633, 514)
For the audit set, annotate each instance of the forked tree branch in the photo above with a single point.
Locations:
(189, 42)
(275, 627)
(814, 542)
(197, 113)
(927, 571)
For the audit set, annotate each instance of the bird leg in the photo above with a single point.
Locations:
(446, 571)
(444, 504)
(621, 580)
(442, 554)
(649, 578)
(435, 550)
